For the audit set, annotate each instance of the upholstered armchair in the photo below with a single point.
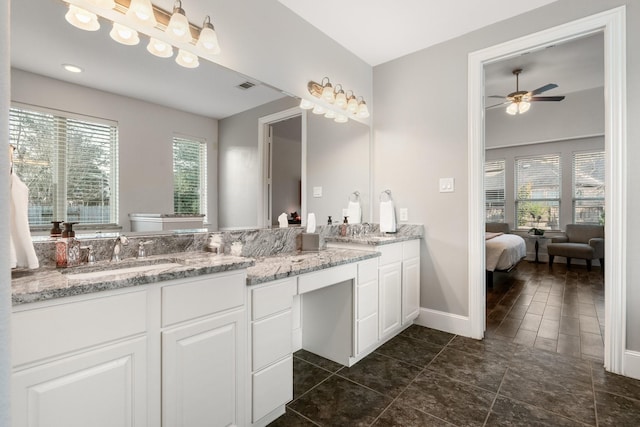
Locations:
(579, 241)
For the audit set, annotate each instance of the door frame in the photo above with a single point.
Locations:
(264, 157)
(612, 24)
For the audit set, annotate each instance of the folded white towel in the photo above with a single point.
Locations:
(22, 253)
(387, 217)
(282, 220)
(354, 212)
(311, 223)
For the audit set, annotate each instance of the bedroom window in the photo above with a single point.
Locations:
(68, 162)
(538, 192)
(494, 182)
(588, 187)
(189, 176)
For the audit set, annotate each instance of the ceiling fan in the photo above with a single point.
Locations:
(520, 100)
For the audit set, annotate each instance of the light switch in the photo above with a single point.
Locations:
(404, 214)
(447, 185)
(317, 191)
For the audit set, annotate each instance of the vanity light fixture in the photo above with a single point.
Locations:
(341, 98)
(208, 39)
(123, 34)
(306, 104)
(352, 104)
(104, 4)
(187, 59)
(178, 28)
(141, 11)
(159, 48)
(330, 114)
(341, 118)
(363, 111)
(319, 109)
(327, 91)
(81, 18)
(344, 101)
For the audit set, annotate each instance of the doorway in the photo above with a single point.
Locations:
(611, 24)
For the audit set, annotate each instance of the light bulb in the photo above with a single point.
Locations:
(306, 105)
(178, 27)
(208, 39)
(159, 48)
(123, 34)
(512, 109)
(187, 59)
(523, 107)
(327, 93)
(318, 109)
(82, 19)
(352, 105)
(141, 11)
(363, 111)
(341, 118)
(330, 114)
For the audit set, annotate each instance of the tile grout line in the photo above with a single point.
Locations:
(486, 419)
(593, 389)
(303, 416)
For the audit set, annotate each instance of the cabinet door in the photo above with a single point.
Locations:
(390, 283)
(202, 372)
(99, 388)
(410, 289)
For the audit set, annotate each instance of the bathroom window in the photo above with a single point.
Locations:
(494, 190)
(538, 192)
(588, 187)
(69, 164)
(189, 176)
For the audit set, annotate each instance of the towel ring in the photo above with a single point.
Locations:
(354, 197)
(386, 194)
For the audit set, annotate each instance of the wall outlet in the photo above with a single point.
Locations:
(317, 191)
(447, 185)
(404, 214)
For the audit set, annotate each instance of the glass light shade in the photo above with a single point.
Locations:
(123, 34)
(352, 105)
(327, 93)
(512, 109)
(187, 59)
(159, 48)
(178, 28)
(318, 109)
(341, 99)
(363, 111)
(306, 105)
(141, 11)
(523, 107)
(104, 4)
(341, 118)
(330, 114)
(82, 19)
(208, 39)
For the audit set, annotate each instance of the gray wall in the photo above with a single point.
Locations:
(286, 167)
(420, 126)
(145, 133)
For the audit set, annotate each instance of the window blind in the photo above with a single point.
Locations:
(538, 183)
(588, 187)
(494, 184)
(189, 176)
(69, 165)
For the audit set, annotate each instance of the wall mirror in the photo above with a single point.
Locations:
(209, 91)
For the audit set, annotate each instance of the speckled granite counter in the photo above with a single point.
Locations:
(372, 240)
(281, 266)
(49, 283)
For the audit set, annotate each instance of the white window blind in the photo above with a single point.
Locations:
(69, 164)
(537, 187)
(588, 187)
(494, 181)
(189, 176)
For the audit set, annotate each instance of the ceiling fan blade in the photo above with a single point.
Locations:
(496, 96)
(544, 88)
(547, 98)
(497, 105)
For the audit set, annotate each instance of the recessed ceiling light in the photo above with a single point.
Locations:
(72, 68)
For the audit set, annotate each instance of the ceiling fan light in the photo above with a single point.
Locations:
(318, 109)
(178, 28)
(512, 109)
(141, 11)
(523, 107)
(187, 59)
(159, 48)
(123, 34)
(208, 39)
(81, 18)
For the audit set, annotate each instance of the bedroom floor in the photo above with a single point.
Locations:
(560, 310)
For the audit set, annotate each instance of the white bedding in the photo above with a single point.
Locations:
(504, 251)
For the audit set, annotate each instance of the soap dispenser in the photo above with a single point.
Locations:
(67, 247)
(343, 227)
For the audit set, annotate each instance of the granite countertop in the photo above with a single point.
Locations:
(281, 266)
(372, 239)
(49, 283)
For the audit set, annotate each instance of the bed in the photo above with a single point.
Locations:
(503, 250)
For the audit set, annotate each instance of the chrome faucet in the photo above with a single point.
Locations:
(142, 253)
(117, 247)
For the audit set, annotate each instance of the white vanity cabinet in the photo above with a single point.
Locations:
(410, 280)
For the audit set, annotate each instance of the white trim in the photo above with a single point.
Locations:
(612, 24)
(546, 141)
(442, 321)
(263, 123)
(632, 364)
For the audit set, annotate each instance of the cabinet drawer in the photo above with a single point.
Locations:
(367, 332)
(411, 249)
(390, 253)
(50, 331)
(271, 339)
(272, 387)
(272, 298)
(367, 271)
(202, 297)
(367, 299)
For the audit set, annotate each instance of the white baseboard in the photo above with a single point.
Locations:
(452, 323)
(632, 364)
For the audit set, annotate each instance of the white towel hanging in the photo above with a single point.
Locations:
(22, 253)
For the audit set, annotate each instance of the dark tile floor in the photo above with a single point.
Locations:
(425, 377)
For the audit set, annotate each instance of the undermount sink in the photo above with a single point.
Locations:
(117, 269)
